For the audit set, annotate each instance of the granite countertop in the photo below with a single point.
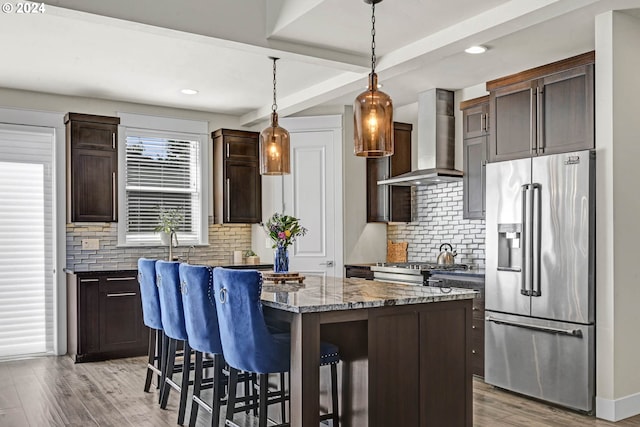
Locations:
(318, 294)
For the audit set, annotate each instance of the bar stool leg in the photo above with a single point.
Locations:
(163, 365)
(263, 385)
(197, 384)
(151, 361)
(218, 389)
(231, 399)
(283, 396)
(334, 395)
(168, 372)
(184, 387)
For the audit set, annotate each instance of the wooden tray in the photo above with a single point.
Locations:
(270, 276)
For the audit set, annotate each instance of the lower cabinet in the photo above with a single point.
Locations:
(421, 353)
(104, 316)
(361, 271)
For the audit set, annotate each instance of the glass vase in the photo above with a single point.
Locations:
(281, 260)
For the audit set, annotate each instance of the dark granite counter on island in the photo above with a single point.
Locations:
(405, 350)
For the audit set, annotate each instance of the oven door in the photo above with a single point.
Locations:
(408, 279)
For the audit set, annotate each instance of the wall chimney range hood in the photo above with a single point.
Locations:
(436, 142)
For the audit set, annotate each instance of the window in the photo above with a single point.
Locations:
(163, 171)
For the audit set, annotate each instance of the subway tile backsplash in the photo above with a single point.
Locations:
(223, 240)
(438, 219)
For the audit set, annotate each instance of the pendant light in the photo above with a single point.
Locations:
(373, 110)
(274, 141)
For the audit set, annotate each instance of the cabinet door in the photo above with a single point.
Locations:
(93, 185)
(93, 136)
(242, 192)
(400, 196)
(377, 195)
(475, 159)
(475, 121)
(88, 322)
(241, 147)
(121, 324)
(566, 111)
(513, 122)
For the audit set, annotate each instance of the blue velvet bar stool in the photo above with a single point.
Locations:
(249, 346)
(201, 321)
(172, 313)
(151, 317)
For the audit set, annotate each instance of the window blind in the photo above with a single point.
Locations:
(162, 173)
(26, 241)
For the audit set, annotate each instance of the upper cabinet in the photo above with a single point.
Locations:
(237, 184)
(475, 116)
(545, 110)
(390, 203)
(92, 168)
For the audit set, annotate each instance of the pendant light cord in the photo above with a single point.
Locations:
(373, 37)
(274, 106)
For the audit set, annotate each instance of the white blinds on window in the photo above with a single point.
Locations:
(162, 173)
(26, 240)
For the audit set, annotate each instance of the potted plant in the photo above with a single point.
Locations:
(251, 257)
(168, 223)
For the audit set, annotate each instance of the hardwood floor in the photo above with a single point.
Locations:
(53, 391)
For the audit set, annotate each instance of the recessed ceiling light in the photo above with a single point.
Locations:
(189, 91)
(476, 49)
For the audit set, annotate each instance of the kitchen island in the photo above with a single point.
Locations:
(405, 350)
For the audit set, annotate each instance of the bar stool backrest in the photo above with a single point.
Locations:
(200, 316)
(149, 293)
(168, 280)
(247, 343)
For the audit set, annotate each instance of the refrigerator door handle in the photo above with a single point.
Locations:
(536, 215)
(524, 275)
(559, 331)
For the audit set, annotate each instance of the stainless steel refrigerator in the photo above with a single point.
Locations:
(540, 294)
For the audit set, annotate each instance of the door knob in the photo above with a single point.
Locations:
(328, 263)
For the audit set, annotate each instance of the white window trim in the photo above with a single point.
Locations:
(169, 127)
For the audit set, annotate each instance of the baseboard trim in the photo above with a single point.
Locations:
(618, 409)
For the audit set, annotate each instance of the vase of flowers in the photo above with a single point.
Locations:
(283, 231)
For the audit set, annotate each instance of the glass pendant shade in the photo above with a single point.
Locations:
(274, 149)
(373, 122)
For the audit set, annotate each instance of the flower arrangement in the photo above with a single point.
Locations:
(283, 229)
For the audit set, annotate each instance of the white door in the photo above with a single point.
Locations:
(26, 240)
(313, 193)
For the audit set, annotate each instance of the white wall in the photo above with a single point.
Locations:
(618, 204)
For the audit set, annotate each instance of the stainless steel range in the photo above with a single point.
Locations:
(412, 273)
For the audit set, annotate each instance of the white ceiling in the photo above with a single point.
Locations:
(146, 51)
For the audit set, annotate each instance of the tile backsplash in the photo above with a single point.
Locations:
(438, 219)
(223, 240)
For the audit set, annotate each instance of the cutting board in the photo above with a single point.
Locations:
(397, 252)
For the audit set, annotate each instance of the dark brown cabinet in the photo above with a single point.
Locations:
(546, 110)
(475, 282)
(237, 184)
(390, 203)
(104, 316)
(92, 168)
(475, 114)
(438, 360)
(359, 271)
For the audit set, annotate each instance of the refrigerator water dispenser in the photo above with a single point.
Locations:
(509, 251)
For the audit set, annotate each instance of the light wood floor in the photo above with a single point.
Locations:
(52, 391)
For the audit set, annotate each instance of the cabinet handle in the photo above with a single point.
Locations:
(473, 327)
(113, 195)
(482, 122)
(473, 351)
(228, 198)
(110, 279)
(122, 294)
(89, 280)
(113, 140)
(227, 150)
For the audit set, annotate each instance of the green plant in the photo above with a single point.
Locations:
(284, 229)
(249, 253)
(169, 220)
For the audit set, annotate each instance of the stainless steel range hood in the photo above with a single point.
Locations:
(436, 142)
